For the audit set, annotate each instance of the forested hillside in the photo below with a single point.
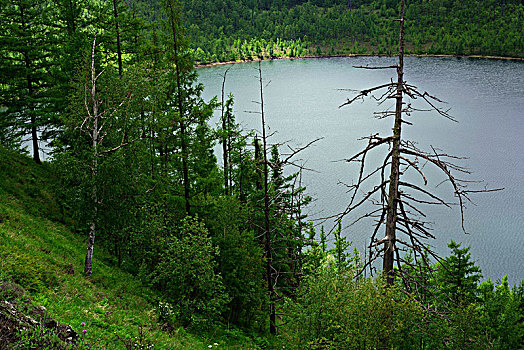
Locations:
(131, 221)
(229, 30)
(41, 280)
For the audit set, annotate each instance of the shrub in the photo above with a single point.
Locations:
(186, 274)
(240, 263)
(335, 310)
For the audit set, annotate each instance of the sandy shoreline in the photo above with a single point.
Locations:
(356, 55)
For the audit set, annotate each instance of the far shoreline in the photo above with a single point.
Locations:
(205, 65)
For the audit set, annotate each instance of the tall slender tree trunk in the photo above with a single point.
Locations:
(30, 91)
(258, 158)
(88, 265)
(118, 47)
(225, 138)
(94, 168)
(34, 139)
(229, 148)
(182, 125)
(71, 24)
(391, 219)
(267, 232)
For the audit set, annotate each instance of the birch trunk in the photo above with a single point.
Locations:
(94, 166)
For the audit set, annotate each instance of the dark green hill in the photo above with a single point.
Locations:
(231, 30)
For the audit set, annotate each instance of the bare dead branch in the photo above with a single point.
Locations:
(364, 93)
(377, 67)
(416, 168)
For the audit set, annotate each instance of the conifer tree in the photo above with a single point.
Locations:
(69, 57)
(457, 275)
(26, 39)
(181, 73)
(280, 218)
(123, 33)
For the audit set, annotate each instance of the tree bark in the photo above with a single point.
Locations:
(225, 139)
(30, 91)
(391, 219)
(118, 48)
(258, 161)
(94, 167)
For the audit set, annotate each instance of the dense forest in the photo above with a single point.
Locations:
(232, 30)
(111, 89)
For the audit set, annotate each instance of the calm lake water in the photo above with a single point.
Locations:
(485, 96)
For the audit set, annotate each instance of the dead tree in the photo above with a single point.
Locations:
(226, 137)
(283, 199)
(401, 202)
(94, 117)
(267, 233)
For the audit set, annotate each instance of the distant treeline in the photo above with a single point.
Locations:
(224, 30)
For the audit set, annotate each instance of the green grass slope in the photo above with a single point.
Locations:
(39, 253)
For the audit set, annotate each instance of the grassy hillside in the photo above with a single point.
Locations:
(39, 253)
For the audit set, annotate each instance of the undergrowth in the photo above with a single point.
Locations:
(42, 259)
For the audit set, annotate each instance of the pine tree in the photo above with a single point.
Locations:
(457, 276)
(26, 40)
(74, 46)
(188, 150)
(123, 33)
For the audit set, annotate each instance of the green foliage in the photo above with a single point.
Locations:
(457, 275)
(501, 313)
(298, 28)
(477, 314)
(155, 154)
(240, 263)
(111, 303)
(340, 257)
(138, 342)
(186, 274)
(39, 337)
(26, 270)
(340, 250)
(334, 310)
(27, 42)
(30, 187)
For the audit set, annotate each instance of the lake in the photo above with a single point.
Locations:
(485, 96)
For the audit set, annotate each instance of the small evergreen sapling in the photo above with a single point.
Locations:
(458, 276)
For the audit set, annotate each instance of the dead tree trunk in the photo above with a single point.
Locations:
(267, 233)
(95, 125)
(225, 137)
(401, 203)
(394, 178)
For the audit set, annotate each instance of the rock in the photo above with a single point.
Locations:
(13, 321)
